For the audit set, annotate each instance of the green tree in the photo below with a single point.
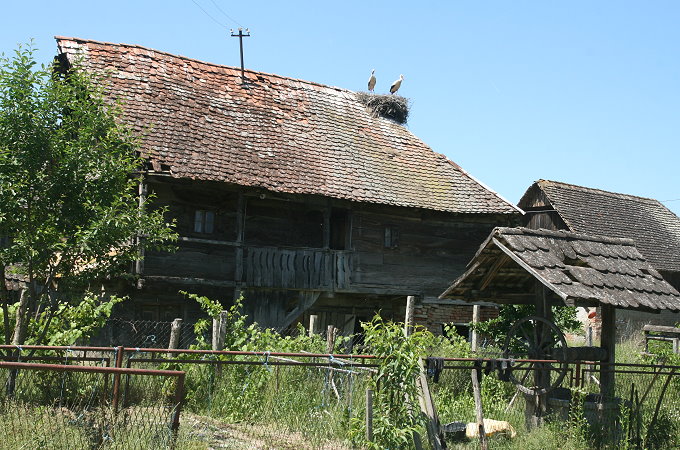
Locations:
(70, 213)
(497, 329)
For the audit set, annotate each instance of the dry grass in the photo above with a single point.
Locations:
(393, 107)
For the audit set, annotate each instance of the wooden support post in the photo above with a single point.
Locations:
(139, 262)
(327, 226)
(312, 324)
(542, 372)
(476, 315)
(608, 343)
(330, 338)
(238, 250)
(219, 331)
(477, 393)
(427, 406)
(175, 333)
(410, 311)
(369, 415)
(676, 346)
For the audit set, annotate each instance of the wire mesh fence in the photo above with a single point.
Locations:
(642, 411)
(142, 333)
(84, 406)
(269, 400)
(304, 400)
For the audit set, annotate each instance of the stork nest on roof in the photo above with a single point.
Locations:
(394, 107)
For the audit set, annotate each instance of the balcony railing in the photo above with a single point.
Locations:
(296, 268)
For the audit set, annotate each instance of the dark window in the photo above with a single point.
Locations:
(204, 221)
(339, 227)
(391, 237)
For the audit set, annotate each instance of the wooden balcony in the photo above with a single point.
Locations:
(308, 269)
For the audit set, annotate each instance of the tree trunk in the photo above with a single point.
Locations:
(21, 325)
(4, 299)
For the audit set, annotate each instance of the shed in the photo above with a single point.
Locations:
(652, 226)
(550, 268)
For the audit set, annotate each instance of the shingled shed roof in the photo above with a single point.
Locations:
(199, 121)
(580, 270)
(653, 227)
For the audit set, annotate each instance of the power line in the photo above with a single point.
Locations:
(208, 14)
(225, 14)
(671, 200)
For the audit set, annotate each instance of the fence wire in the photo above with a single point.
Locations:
(643, 412)
(268, 401)
(70, 407)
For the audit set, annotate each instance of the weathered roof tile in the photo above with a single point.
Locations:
(599, 275)
(654, 228)
(200, 122)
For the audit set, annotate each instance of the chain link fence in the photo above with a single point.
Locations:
(87, 406)
(142, 333)
(269, 400)
(642, 412)
(302, 400)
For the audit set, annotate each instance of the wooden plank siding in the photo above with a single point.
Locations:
(286, 248)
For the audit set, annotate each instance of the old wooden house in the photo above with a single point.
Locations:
(653, 227)
(290, 193)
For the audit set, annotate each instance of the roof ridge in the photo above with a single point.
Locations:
(174, 55)
(564, 234)
(470, 176)
(601, 191)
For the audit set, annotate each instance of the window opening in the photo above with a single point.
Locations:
(204, 221)
(391, 237)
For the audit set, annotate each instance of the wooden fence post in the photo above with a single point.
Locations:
(410, 311)
(476, 316)
(369, 415)
(219, 331)
(175, 333)
(312, 324)
(478, 409)
(330, 338)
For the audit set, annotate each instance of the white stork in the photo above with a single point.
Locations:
(371, 81)
(396, 85)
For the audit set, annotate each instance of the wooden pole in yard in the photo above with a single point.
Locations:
(428, 408)
(476, 316)
(312, 324)
(369, 415)
(175, 333)
(478, 409)
(330, 338)
(608, 342)
(220, 331)
(410, 311)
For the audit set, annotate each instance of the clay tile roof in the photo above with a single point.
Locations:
(199, 121)
(654, 228)
(599, 270)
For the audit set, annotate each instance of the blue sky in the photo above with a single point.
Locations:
(582, 92)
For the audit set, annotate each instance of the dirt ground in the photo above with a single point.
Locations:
(203, 432)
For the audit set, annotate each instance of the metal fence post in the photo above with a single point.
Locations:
(116, 377)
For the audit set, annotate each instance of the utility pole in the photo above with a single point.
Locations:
(240, 37)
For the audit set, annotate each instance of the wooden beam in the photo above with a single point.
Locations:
(240, 235)
(143, 192)
(188, 281)
(608, 343)
(327, 226)
(529, 269)
(491, 273)
(458, 280)
(193, 240)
